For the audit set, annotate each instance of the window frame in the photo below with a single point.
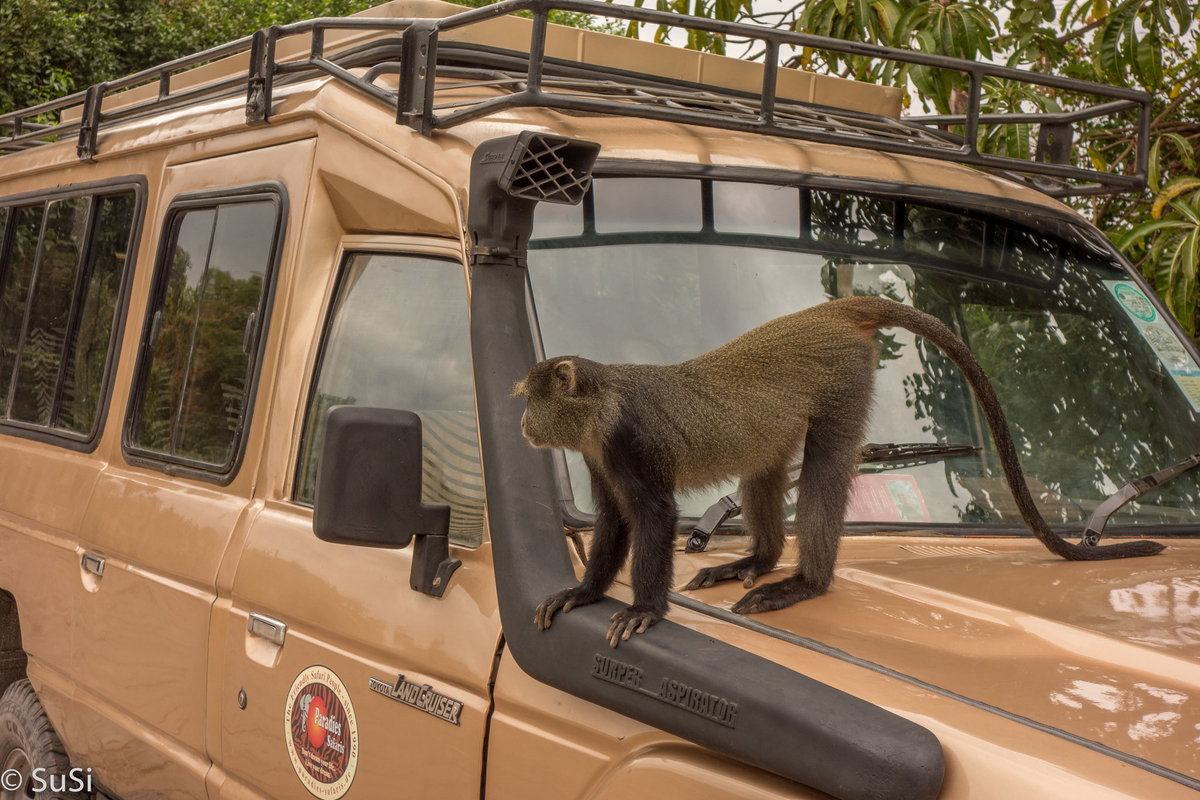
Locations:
(70, 440)
(220, 474)
(434, 250)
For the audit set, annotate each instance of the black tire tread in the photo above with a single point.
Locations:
(21, 704)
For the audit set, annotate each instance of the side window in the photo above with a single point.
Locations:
(205, 323)
(399, 337)
(62, 271)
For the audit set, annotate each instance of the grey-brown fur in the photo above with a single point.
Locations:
(802, 382)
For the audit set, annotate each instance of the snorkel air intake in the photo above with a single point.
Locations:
(672, 677)
(510, 176)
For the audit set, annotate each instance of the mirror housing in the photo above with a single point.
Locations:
(368, 491)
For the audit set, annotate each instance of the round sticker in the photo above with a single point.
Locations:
(1135, 302)
(1166, 345)
(321, 732)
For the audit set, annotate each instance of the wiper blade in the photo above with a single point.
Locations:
(1128, 493)
(875, 453)
(730, 505)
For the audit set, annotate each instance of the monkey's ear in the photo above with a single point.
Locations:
(567, 377)
(520, 388)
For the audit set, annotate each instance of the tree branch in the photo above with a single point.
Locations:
(1091, 26)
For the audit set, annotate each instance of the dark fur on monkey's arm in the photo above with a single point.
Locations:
(800, 383)
(623, 471)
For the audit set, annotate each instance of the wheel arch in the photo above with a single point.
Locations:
(12, 656)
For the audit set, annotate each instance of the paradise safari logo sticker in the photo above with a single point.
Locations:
(321, 732)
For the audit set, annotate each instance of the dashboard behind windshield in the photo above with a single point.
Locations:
(1096, 386)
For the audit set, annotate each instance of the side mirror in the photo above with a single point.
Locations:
(368, 491)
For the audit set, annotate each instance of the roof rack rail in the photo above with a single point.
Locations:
(533, 80)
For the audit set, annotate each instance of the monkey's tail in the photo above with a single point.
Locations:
(872, 313)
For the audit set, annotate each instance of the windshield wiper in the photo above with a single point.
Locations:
(875, 453)
(731, 504)
(1127, 493)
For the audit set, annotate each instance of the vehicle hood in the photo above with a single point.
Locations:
(1109, 651)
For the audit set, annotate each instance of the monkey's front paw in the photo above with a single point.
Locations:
(635, 619)
(566, 600)
(773, 596)
(744, 569)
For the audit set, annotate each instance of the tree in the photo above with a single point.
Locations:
(49, 48)
(1148, 44)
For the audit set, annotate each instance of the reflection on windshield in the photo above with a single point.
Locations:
(1092, 399)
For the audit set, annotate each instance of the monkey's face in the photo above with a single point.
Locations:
(562, 402)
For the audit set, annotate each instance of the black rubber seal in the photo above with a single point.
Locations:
(671, 677)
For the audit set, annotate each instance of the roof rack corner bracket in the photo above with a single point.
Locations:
(766, 115)
(537, 50)
(89, 122)
(1142, 171)
(974, 95)
(316, 50)
(260, 83)
(1054, 143)
(418, 60)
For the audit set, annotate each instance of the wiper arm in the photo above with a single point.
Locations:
(875, 453)
(730, 505)
(1127, 493)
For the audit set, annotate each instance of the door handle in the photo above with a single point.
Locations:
(270, 629)
(93, 564)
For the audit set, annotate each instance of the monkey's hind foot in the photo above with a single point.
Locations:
(744, 569)
(774, 596)
(566, 600)
(635, 619)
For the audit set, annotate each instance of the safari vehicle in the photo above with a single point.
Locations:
(269, 527)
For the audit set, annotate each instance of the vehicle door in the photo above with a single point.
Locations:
(165, 507)
(337, 673)
(66, 260)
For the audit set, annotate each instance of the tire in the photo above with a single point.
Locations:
(28, 742)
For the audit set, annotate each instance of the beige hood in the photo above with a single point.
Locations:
(1108, 651)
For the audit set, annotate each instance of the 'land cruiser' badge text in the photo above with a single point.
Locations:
(422, 698)
(321, 732)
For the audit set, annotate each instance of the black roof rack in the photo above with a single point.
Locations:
(533, 80)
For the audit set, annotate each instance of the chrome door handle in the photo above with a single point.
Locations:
(270, 629)
(93, 564)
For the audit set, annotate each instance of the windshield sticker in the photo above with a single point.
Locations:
(321, 732)
(886, 498)
(1134, 301)
(422, 698)
(1166, 345)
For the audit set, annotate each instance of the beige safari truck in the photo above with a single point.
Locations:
(268, 525)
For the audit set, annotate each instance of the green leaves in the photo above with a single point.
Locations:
(1171, 252)
(1133, 38)
(960, 29)
(1170, 192)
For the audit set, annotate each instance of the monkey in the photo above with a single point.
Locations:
(801, 386)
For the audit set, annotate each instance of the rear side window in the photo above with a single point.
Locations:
(62, 277)
(200, 350)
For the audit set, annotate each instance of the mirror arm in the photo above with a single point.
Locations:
(432, 565)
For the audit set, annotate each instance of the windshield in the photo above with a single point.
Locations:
(1097, 388)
